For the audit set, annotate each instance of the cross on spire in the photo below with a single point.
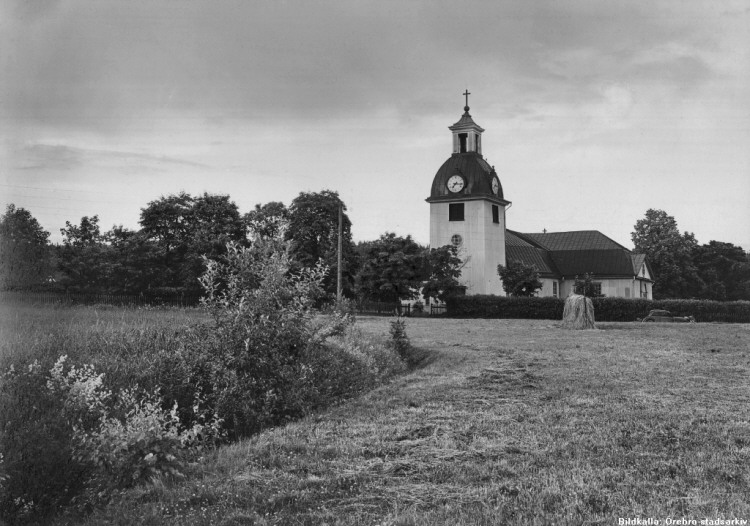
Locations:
(466, 94)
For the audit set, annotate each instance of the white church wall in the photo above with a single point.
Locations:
(494, 251)
(476, 247)
(547, 289)
(566, 287)
(616, 288)
(483, 245)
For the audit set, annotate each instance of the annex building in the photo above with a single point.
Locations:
(468, 209)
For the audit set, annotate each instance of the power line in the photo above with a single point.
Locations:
(58, 198)
(57, 189)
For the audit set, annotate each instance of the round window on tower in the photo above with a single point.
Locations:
(456, 239)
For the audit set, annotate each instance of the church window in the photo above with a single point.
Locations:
(495, 214)
(462, 140)
(456, 212)
(596, 289)
(456, 239)
(554, 289)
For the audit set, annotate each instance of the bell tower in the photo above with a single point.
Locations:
(467, 134)
(467, 208)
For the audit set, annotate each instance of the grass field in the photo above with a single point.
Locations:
(507, 422)
(29, 329)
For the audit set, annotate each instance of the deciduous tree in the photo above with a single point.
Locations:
(669, 253)
(519, 279)
(133, 262)
(82, 257)
(185, 228)
(313, 232)
(724, 269)
(393, 268)
(443, 270)
(24, 250)
(266, 220)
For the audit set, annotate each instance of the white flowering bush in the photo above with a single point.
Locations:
(146, 443)
(66, 438)
(81, 391)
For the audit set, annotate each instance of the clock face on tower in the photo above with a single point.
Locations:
(495, 185)
(456, 183)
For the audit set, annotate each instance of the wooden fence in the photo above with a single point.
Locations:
(378, 308)
(381, 308)
(85, 298)
(391, 309)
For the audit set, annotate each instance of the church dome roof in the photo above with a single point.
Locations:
(477, 175)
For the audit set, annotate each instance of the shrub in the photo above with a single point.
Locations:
(607, 309)
(399, 340)
(66, 438)
(263, 323)
(143, 442)
(39, 472)
(487, 306)
(623, 309)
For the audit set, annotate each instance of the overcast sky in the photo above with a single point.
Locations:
(594, 111)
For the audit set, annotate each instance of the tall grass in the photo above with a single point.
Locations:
(170, 351)
(90, 333)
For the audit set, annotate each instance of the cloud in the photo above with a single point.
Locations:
(105, 66)
(60, 157)
(47, 157)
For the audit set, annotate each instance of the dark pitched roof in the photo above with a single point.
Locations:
(567, 254)
(578, 240)
(598, 262)
(518, 249)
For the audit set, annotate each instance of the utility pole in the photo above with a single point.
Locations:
(338, 267)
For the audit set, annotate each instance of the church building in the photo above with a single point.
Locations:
(468, 209)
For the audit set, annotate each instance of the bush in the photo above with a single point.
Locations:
(607, 309)
(66, 439)
(623, 309)
(263, 323)
(399, 340)
(143, 443)
(487, 306)
(39, 472)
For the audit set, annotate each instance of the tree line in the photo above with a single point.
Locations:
(167, 255)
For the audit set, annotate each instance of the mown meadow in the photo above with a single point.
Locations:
(504, 422)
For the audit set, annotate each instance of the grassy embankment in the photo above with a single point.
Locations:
(511, 421)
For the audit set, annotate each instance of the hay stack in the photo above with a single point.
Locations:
(578, 313)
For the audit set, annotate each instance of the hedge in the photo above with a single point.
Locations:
(487, 306)
(606, 309)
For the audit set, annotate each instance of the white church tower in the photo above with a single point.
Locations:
(467, 209)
